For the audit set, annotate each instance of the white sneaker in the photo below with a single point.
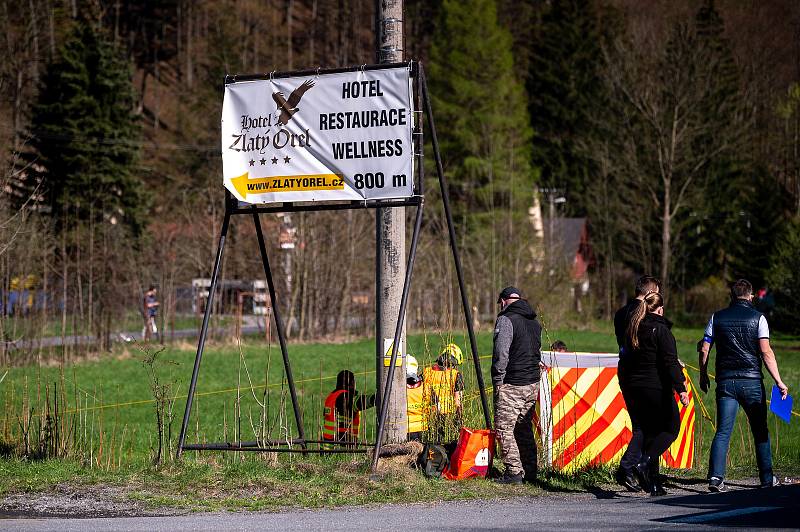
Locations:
(716, 485)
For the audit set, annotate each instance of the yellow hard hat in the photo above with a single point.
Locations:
(454, 351)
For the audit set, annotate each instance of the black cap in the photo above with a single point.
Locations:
(506, 292)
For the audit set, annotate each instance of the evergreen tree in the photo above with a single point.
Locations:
(733, 232)
(85, 135)
(782, 277)
(481, 118)
(563, 87)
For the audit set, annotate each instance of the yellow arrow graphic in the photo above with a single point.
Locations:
(286, 183)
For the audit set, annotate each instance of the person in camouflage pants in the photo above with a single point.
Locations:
(515, 376)
(514, 426)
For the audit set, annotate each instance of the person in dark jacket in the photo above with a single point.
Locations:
(342, 410)
(515, 376)
(741, 335)
(622, 319)
(652, 372)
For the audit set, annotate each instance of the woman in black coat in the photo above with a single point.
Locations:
(652, 372)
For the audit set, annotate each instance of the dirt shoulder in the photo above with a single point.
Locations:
(80, 501)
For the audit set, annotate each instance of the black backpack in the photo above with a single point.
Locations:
(433, 460)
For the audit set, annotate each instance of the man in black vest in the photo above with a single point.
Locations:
(515, 376)
(633, 453)
(741, 335)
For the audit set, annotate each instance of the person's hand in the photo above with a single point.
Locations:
(684, 398)
(700, 346)
(705, 382)
(784, 390)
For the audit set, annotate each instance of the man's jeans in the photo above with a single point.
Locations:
(749, 393)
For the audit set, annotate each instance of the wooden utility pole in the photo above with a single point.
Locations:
(390, 239)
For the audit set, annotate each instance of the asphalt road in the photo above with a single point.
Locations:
(692, 509)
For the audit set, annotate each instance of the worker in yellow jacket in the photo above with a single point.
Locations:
(418, 408)
(444, 391)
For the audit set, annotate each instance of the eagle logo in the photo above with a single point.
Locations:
(289, 107)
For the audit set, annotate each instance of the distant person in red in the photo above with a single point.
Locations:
(149, 311)
(764, 302)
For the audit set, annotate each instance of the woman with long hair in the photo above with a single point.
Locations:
(652, 373)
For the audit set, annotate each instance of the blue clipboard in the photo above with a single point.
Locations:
(781, 407)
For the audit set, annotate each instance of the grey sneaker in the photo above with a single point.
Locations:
(773, 483)
(716, 485)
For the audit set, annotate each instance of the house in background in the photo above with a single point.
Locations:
(567, 249)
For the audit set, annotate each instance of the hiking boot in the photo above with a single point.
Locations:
(626, 479)
(508, 478)
(774, 482)
(716, 485)
(657, 489)
(642, 472)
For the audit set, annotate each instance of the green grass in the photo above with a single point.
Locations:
(116, 392)
(252, 484)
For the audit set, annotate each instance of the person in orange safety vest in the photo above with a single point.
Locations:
(342, 411)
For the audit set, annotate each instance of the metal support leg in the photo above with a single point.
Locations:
(298, 417)
(203, 331)
(395, 344)
(454, 247)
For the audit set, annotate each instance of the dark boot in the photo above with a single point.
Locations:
(509, 478)
(657, 488)
(656, 480)
(530, 476)
(625, 478)
(642, 472)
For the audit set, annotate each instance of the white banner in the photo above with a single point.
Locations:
(322, 137)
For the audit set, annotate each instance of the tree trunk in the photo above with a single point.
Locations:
(666, 237)
(289, 58)
(188, 51)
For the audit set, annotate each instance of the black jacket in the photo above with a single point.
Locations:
(622, 318)
(517, 345)
(736, 338)
(655, 363)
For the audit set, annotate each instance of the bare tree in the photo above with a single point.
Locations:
(671, 127)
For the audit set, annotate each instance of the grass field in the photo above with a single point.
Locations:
(110, 401)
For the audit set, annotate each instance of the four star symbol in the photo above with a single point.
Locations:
(274, 160)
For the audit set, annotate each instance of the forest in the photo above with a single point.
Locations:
(670, 128)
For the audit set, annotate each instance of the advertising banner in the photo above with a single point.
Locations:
(343, 136)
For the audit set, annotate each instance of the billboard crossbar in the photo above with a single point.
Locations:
(249, 208)
(237, 78)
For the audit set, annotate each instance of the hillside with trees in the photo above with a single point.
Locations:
(672, 128)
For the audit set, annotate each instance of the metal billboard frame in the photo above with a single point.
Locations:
(233, 208)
